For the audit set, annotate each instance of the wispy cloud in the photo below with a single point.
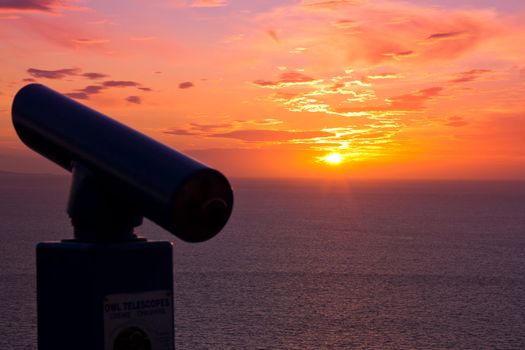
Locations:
(53, 74)
(446, 36)
(200, 3)
(31, 5)
(120, 83)
(414, 100)
(286, 79)
(95, 76)
(471, 75)
(456, 121)
(209, 3)
(256, 135)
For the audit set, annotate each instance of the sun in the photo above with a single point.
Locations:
(333, 158)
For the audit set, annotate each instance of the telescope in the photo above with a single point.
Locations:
(107, 288)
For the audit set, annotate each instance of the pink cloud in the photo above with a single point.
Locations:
(199, 3)
(209, 3)
(371, 33)
(30, 5)
(328, 4)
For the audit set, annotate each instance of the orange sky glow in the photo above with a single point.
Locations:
(351, 89)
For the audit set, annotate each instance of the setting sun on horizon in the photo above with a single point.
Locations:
(319, 89)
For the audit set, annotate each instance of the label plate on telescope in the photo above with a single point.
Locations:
(139, 321)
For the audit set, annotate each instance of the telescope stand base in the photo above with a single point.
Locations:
(94, 296)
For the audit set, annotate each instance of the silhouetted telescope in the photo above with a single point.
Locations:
(136, 176)
(107, 288)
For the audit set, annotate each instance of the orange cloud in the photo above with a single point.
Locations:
(286, 79)
(456, 121)
(415, 100)
(364, 32)
(271, 135)
(273, 34)
(328, 4)
(470, 75)
(90, 41)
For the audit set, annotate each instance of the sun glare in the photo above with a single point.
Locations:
(333, 158)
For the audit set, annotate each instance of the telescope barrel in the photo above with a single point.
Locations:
(173, 190)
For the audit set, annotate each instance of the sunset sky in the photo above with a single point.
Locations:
(353, 89)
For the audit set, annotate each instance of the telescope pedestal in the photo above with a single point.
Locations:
(111, 296)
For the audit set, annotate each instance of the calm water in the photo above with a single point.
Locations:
(305, 265)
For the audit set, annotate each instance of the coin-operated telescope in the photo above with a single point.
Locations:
(107, 288)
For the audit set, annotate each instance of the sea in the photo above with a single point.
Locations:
(313, 264)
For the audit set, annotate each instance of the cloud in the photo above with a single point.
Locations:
(53, 74)
(186, 85)
(209, 3)
(400, 55)
(445, 36)
(179, 132)
(86, 92)
(209, 129)
(271, 135)
(371, 33)
(95, 76)
(90, 41)
(92, 89)
(414, 100)
(345, 24)
(30, 5)
(286, 79)
(456, 121)
(200, 3)
(273, 34)
(78, 95)
(470, 75)
(134, 99)
(329, 4)
(120, 83)
(384, 76)
(266, 121)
